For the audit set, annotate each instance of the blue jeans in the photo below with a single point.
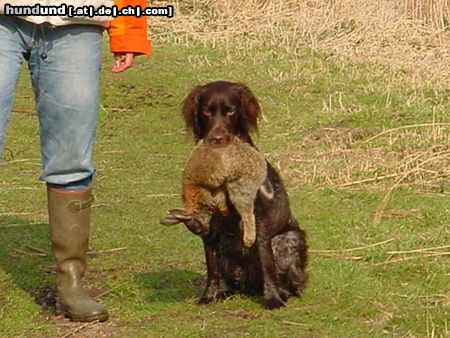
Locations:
(64, 64)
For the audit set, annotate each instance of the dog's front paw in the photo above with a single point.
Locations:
(273, 302)
(211, 295)
(284, 294)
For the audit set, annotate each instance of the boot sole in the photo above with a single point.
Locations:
(101, 317)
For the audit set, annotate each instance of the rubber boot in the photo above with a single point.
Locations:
(69, 217)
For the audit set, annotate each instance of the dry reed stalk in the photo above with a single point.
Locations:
(36, 249)
(111, 290)
(80, 328)
(418, 250)
(294, 323)
(161, 195)
(353, 249)
(24, 160)
(23, 252)
(340, 256)
(408, 258)
(111, 250)
(374, 179)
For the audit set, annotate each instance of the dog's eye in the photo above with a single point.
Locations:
(231, 113)
(206, 113)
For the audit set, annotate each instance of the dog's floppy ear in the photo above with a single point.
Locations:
(251, 110)
(190, 112)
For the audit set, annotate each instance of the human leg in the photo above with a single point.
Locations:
(11, 56)
(64, 67)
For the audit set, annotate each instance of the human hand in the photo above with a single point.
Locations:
(123, 62)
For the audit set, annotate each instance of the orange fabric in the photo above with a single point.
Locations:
(128, 34)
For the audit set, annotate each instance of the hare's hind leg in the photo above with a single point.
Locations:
(244, 204)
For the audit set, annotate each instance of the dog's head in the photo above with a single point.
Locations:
(219, 111)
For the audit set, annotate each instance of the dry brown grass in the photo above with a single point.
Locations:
(411, 35)
(355, 159)
(342, 158)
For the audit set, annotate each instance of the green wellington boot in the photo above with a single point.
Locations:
(69, 216)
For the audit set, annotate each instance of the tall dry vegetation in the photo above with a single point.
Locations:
(411, 35)
(434, 12)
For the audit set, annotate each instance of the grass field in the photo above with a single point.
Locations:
(364, 154)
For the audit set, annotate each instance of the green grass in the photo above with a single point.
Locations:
(152, 283)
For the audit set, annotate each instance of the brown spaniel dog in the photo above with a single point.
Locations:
(274, 266)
